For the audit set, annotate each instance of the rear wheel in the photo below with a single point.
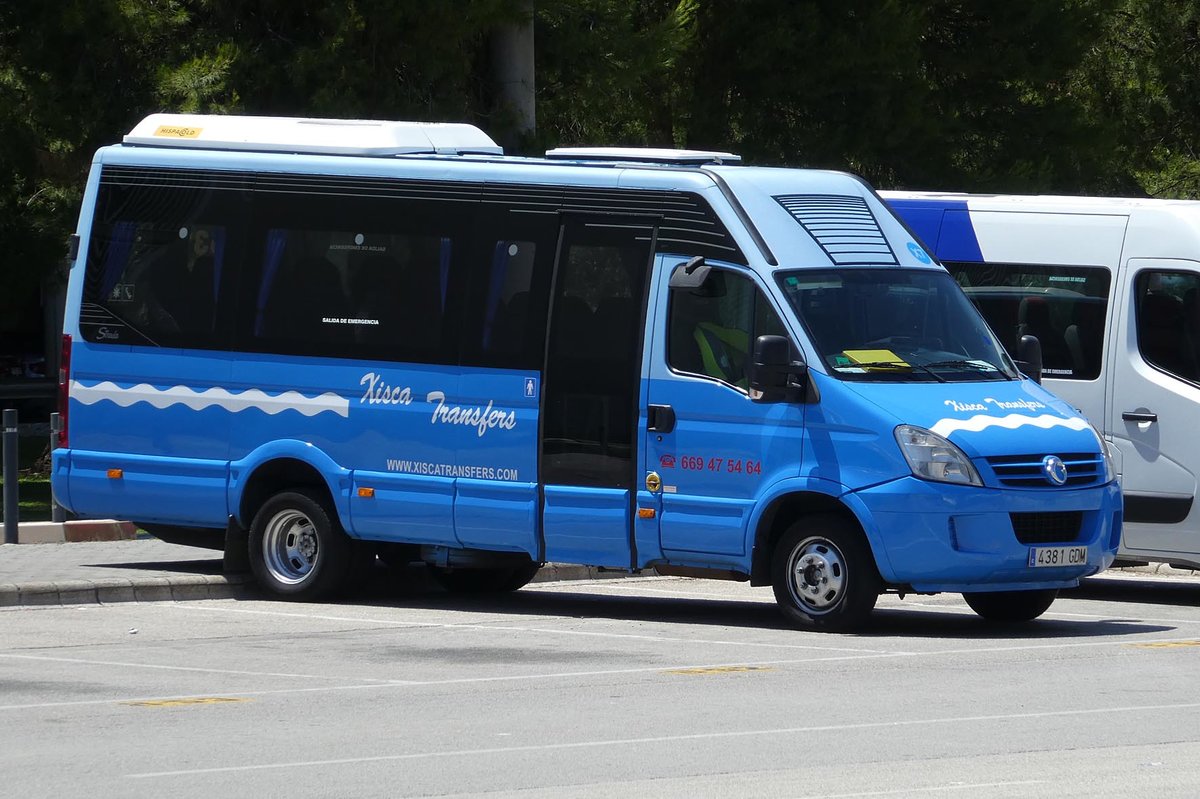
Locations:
(297, 547)
(1011, 606)
(824, 574)
(484, 581)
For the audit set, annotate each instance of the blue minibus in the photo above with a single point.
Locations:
(329, 340)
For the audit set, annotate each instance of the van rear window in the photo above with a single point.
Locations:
(1064, 306)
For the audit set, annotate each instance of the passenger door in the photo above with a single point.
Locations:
(1156, 393)
(710, 448)
(590, 391)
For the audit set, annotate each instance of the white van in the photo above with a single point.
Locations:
(1110, 288)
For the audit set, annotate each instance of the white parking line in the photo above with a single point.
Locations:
(924, 789)
(1054, 614)
(704, 736)
(128, 665)
(415, 683)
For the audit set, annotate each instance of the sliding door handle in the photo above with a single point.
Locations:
(1141, 417)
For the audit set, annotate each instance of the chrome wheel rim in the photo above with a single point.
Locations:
(817, 575)
(290, 547)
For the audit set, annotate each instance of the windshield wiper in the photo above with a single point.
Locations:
(894, 365)
(974, 363)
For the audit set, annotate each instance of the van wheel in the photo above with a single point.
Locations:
(824, 574)
(297, 548)
(1011, 605)
(484, 581)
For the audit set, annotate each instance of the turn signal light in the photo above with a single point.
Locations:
(366, 493)
(116, 474)
(645, 513)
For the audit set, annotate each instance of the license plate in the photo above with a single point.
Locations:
(1057, 556)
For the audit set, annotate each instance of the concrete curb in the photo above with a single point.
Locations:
(75, 532)
(118, 589)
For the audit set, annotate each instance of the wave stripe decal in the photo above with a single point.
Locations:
(977, 424)
(199, 400)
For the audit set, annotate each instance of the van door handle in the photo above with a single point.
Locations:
(1139, 417)
(660, 418)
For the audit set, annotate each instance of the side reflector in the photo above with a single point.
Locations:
(64, 390)
(116, 474)
(645, 513)
(366, 493)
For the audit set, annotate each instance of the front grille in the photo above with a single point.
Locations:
(1025, 471)
(1054, 527)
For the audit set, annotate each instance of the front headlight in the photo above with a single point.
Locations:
(1110, 469)
(932, 457)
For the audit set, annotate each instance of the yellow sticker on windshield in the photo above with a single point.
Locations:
(884, 358)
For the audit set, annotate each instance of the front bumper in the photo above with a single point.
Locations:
(939, 537)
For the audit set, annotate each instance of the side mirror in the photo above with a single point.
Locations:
(1029, 357)
(774, 376)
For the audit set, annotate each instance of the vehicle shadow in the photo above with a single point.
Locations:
(1149, 591)
(412, 587)
(210, 566)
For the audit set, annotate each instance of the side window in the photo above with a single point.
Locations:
(1168, 322)
(506, 310)
(712, 329)
(507, 268)
(156, 263)
(350, 293)
(351, 277)
(1064, 306)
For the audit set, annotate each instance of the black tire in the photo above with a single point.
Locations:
(824, 574)
(1011, 606)
(298, 549)
(484, 581)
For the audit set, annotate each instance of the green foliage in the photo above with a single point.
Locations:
(1025, 96)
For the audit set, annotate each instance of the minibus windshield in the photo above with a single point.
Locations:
(895, 325)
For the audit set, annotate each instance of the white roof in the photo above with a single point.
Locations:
(651, 155)
(295, 135)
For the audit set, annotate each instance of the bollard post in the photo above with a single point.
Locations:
(12, 510)
(57, 512)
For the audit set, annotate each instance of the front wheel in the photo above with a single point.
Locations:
(297, 547)
(1011, 606)
(824, 574)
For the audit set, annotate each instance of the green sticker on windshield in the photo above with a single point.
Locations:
(841, 360)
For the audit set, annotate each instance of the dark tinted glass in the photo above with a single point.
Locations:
(894, 325)
(1064, 306)
(712, 329)
(352, 294)
(1168, 322)
(592, 365)
(159, 264)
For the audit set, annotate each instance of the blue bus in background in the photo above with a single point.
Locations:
(332, 340)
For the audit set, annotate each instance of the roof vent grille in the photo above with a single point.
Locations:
(843, 226)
